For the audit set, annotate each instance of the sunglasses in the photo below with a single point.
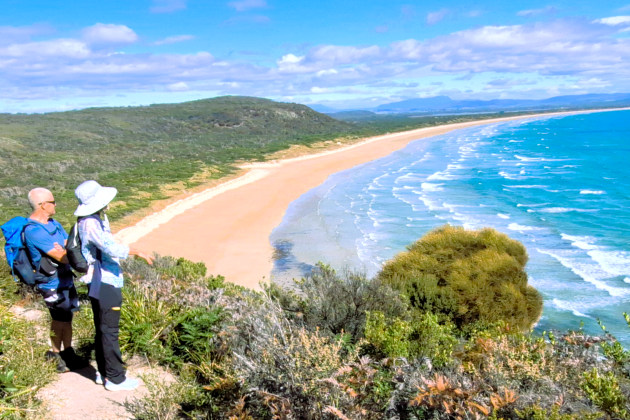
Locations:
(51, 202)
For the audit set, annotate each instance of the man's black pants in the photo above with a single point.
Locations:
(106, 311)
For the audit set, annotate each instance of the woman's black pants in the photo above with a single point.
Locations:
(106, 310)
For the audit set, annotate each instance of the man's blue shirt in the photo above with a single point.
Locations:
(41, 238)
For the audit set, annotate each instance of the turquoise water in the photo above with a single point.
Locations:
(560, 185)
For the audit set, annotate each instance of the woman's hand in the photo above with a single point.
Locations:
(148, 258)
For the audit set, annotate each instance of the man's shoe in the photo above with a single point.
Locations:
(128, 384)
(99, 379)
(61, 365)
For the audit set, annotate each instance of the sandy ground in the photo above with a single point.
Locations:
(228, 226)
(75, 396)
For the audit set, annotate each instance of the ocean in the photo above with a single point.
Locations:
(558, 184)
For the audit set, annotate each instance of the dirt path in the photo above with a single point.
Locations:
(75, 396)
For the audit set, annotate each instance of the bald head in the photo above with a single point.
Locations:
(36, 196)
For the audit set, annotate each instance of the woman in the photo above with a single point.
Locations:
(103, 253)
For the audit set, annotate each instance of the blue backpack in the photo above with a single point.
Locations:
(16, 251)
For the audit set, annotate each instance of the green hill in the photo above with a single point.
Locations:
(138, 149)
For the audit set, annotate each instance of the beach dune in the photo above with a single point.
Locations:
(227, 227)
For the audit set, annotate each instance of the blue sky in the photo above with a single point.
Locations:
(60, 55)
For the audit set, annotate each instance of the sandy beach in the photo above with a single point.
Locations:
(228, 226)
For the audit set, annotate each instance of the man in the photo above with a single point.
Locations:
(45, 239)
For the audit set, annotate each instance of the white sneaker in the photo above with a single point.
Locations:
(128, 384)
(99, 379)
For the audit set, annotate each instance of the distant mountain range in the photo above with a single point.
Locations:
(444, 104)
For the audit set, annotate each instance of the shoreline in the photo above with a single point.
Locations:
(227, 226)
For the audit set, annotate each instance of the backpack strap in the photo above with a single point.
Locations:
(29, 222)
(52, 264)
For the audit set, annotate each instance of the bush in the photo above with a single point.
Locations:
(165, 399)
(468, 277)
(389, 337)
(424, 336)
(184, 270)
(604, 391)
(432, 339)
(161, 302)
(193, 338)
(23, 369)
(284, 366)
(337, 303)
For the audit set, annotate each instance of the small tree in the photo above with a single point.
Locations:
(469, 277)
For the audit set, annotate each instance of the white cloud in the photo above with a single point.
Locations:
(109, 34)
(291, 63)
(174, 39)
(343, 54)
(328, 72)
(167, 6)
(231, 85)
(561, 52)
(409, 49)
(178, 87)
(435, 17)
(615, 20)
(290, 59)
(550, 49)
(245, 5)
(10, 34)
(69, 48)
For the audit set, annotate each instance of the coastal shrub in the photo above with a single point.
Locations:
(389, 337)
(337, 303)
(283, 365)
(423, 336)
(613, 349)
(467, 277)
(166, 399)
(604, 391)
(193, 339)
(158, 299)
(442, 397)
(144, 324)
(432, 339)
(538, 413)
(23, 368)
(183, 269)
(541, 370)
(366, 388)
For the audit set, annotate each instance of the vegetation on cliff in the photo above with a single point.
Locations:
(140, 149)
(426, 339)
(149, 152)
(335, 346)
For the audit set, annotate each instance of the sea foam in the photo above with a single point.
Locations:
(569, 306)
(589, 272)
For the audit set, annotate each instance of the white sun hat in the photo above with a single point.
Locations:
(92, 197)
